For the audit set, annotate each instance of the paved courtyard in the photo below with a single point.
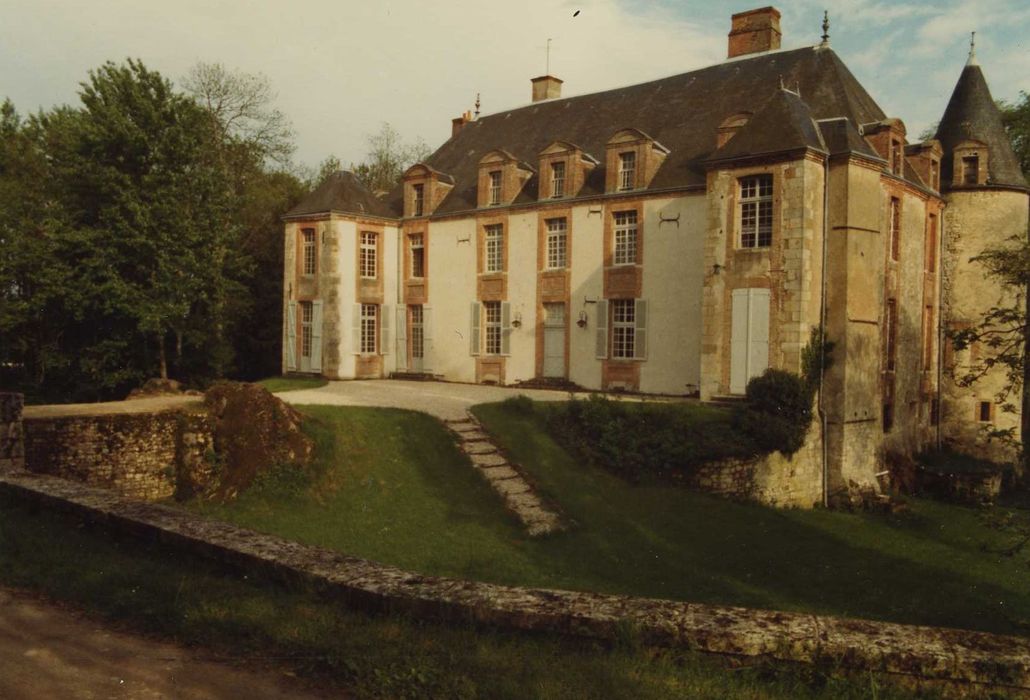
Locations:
(447, 401)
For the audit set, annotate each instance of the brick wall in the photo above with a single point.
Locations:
(12, 446)
(141, 455)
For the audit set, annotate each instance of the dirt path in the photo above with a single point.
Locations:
(47, 651)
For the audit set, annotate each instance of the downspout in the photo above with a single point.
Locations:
(940, 322)
(822, 329)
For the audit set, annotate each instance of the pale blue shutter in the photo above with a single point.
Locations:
(427, 338)
(474, 329)
(601, 340)
(316, 336)
(505, 328)
(385, 325)
(291, 337)
(640, 331)
(402, 337)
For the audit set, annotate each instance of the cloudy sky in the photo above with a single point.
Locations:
(342, 67)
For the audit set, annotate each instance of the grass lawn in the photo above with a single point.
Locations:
(394, 487)
(276, 384)
(159, 591)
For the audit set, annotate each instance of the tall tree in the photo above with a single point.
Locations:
(388, 157)
(1016, 118)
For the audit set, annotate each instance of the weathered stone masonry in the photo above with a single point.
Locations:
(140, 455)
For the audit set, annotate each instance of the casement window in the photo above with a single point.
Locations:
(970, 170)
(492, 327)
(898, 153)
(895, 230)
(417, 244)
(890, 331)
(625, 248)
(756, 211)
(418, 345)
(558, 179)
(310, 259)
(557, 244)
(627, 170)
(931, 243)
(369, 324)
(621, 329)
(418, 199)
(495, 187)
(306, 327)
(494, 234)
(368, 255)
(624, 328)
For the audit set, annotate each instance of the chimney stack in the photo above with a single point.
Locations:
(546, 87)
(755, 31)
(458, 122)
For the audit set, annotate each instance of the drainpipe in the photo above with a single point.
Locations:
(940, 321)
(822, 328)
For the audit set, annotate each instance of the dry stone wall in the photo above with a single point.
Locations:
(140, 455)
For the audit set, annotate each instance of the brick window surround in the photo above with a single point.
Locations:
(625, 238)
(557, 244)
(494, 244)
(417, 245)
(492, 327)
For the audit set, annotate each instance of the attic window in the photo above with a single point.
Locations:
(935, 174)
(627, 170)
(419, 199)
(558, 179)
(971, 170)
(495, 187)
(899, 156)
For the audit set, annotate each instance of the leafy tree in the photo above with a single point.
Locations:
(388, 157)
(1016, 118)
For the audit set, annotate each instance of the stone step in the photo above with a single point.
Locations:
(478, 448)
(503, 471)
(473, 436)
(510, 487)
(463, 426)
(490, 459)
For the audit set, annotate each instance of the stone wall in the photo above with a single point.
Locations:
(964, 662)
(775, 479)
(12, 445)
(140, 455)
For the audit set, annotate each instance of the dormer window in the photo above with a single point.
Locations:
(971, 170)
(495, 187)
(627, 170)
(935, 174)
(419, 199)
(557, 179)
(898, 159)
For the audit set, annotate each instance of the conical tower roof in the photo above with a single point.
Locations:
(972, 115)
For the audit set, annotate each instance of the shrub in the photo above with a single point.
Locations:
(778, 411)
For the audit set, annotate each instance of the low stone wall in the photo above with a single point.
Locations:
(976, 488)
(140, 455)
(773, 479)
(12, 444)
(958, 660)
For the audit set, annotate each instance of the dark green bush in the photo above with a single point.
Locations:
(778, 411)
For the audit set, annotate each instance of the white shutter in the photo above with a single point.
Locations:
(601, 341)
(758, 332)
(427, 338)
(640, 332)
(385, 325)
(355, 335)
(474, 329)
(739, 342)
(291, 336)
(402, 337)
(316, 336)
(505, 328)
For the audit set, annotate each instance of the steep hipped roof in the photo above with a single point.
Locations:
(972, 115)
(841, 136)
(682, 112)
(783, 123)
(341, 192)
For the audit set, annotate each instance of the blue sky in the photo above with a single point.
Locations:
(342, 67)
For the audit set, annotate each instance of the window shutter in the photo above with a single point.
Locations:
(427, 338)
(316, 336)
(474, 330)
(291, 337)
(640, 332)
(402, 337)
(385, 326)
(739, 341)
(601, 347)
(505, 328)
(355, 337)
(758, 332)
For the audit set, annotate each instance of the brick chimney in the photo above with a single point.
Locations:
(458, 122)
(755, 31)
(546, 87)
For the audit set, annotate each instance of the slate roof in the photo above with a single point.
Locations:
(783, 123)
(341, 192)
(841, 136)
(972, 114)
(682, 112)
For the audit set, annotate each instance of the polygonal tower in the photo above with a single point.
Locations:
(987, 207)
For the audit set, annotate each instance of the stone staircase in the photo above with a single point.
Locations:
(505, 478)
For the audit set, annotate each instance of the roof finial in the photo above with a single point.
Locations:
(826, 29)
(477, 106)
(972, 50)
